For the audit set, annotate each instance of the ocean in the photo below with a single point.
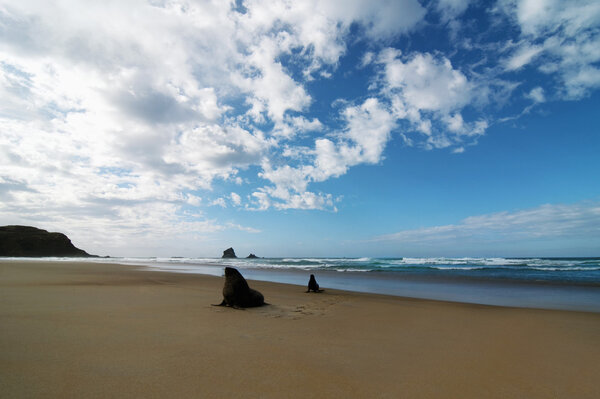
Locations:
(551, 283)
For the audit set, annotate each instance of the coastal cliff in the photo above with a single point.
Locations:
(27, 241)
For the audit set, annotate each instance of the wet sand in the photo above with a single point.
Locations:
(83, 330)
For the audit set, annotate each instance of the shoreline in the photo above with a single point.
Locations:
(501, 292)
(90, 330)
(459, 289)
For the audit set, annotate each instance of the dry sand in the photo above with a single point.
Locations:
(70, 330)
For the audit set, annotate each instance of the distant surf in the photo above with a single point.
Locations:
(584, 271)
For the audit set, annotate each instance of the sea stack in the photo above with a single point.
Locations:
(251, 256)
(229, 253)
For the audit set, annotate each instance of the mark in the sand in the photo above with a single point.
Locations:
(317, 307)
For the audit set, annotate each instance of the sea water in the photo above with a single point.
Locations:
(553, 283)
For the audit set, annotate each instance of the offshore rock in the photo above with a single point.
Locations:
(251, 256)
(27, 241)
(229, 253)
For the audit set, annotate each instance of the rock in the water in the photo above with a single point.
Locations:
(237, 293)
(251, 256)
(229, 253)
(21, 241)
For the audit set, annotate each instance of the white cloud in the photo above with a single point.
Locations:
(211, 151)
(430, 93)
(219, 202)
(536, 95)
(234, 226)
(367, 130)
(537, 17)
(131, 101)
(142, 103)
(555, 221)
(194, 200)
(235, 199)
(455, 122)
(425, 82)
(559, 37)
(262, 201)
(367, 58)
(294, 125)
(119, 227)
(308, 200)
(523, 56)
(272, 90)
(319, 23)
(423, 89)
(316, 27)
(450, 9)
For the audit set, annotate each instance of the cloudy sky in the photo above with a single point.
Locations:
(304, 128)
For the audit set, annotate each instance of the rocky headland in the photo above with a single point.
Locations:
(27, 241)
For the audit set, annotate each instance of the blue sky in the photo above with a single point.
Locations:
(339, 128)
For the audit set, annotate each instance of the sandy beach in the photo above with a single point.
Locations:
(82, 330)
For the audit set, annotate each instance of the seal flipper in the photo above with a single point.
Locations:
(221, 304)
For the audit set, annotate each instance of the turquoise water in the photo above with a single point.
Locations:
(584, 271)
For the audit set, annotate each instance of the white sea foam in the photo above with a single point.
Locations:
(586, 270)
(565, 269)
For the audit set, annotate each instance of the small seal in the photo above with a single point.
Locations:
(312, 284)
(237, 293)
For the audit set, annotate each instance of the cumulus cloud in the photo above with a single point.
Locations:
(422, 89)
(318, 29)
(219, 202)
(421, 78)
(558, 37)
(537, 95)
(450, 9)
(148, 105)
(143, 98)
(429, 93)
(367, 130)
(235, 199)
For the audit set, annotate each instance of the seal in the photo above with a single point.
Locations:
(237, 293)
(312, 284)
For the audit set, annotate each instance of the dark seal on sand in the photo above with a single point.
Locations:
(312, 284)
(237, 293)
